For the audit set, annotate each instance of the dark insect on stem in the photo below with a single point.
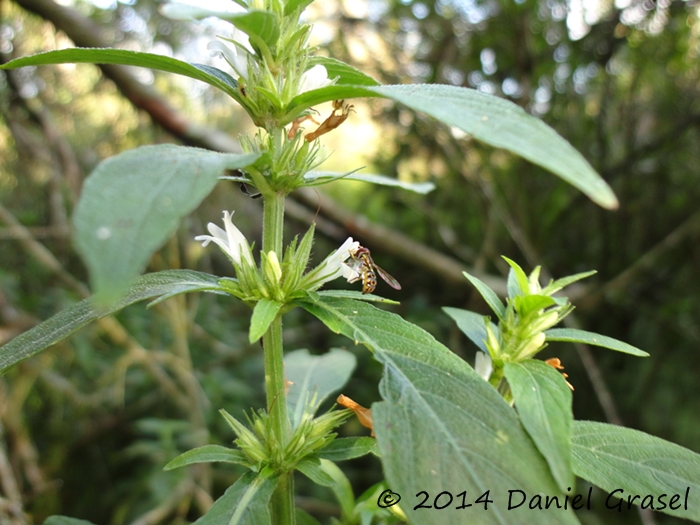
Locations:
(246, 191)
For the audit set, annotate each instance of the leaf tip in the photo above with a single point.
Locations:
(611, 203)
(604, 196)
(253, 337)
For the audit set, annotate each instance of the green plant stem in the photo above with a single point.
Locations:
(273, 222)
(282, 503)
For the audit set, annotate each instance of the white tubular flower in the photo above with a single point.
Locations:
(483, 365)
(334, 266)
(238, 54)
(231, 241)
(314, 78)
(335, 262)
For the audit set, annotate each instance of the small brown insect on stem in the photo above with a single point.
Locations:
(333, 121)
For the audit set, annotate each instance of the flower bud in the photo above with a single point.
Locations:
(483, 365)
(272, 268)
(532, 346)
(492, 344)
(544, 321)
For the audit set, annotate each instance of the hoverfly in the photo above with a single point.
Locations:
(367, 270)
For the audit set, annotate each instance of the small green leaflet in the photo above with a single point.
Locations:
(571, 335)
(489, 295)
(311, 468)
(543, 401)
(262, 26)
(207, 454)
(65, 520)
(316, 178)
(354, 294)
(344, 73)
(520, 277)
(341, 449)
(291, 5)
(264, 313)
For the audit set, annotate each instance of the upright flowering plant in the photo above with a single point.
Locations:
(440, 426)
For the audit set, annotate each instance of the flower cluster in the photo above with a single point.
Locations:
(530, 311)
(233, 243)
(268, 53)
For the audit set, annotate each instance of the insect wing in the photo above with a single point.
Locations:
(388, 278)
(384, 275)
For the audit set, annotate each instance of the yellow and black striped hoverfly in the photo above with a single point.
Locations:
(367, 271)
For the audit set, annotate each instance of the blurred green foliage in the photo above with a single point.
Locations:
(88, 425)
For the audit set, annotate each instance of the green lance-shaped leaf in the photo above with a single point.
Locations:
(133, 202)
(316, 178)
(258, 25)
(488, 294)
(343, 73)
(311, 468)
(527, 304)
(441, 427)
(571, 335)
(557, 285)
(502, 124)
(246, 502)
(491, 120)
(513, 286)
(543, 400)
(64, 323)
(264, 313)
(65, 520)
(304, 518)
(291, 5)
(353, 294)
(341, 449)
(517, 273)
(613, 457)
(211, 75)
(314, 378)
(208, 454)
(342, 490)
